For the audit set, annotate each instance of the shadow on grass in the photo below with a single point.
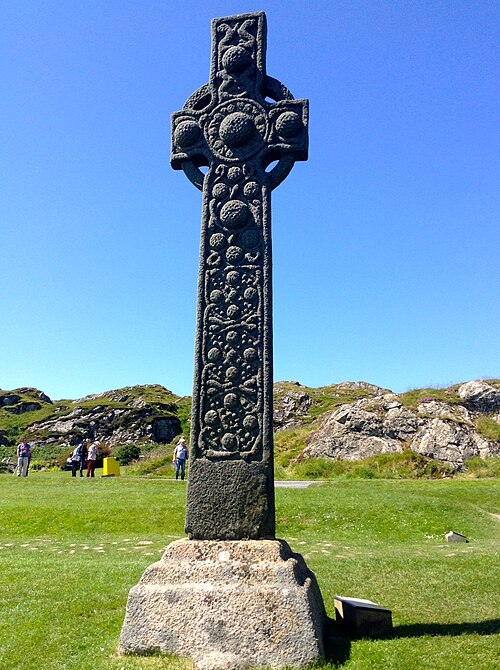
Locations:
(337, 644)
(488, 627)
(338, 641)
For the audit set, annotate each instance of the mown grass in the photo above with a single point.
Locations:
(71, 550)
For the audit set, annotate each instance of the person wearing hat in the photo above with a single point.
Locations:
(92, 457)
(180, 457)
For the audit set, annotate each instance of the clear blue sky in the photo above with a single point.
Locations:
(386, 242)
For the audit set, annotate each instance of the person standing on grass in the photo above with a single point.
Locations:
(23, 458)
(92, 457)
(75, 460)
(83, 455)
(180, 457)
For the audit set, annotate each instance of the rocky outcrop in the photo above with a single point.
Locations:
(434, 428)
(293, 402)
(123, 416)
(351, 420)
(112, 426)
(9, 399)
(23, 407)
(364, 386)
(23, 400)
(290, 405)
(480, 396)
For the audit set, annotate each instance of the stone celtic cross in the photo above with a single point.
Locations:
(237, 125)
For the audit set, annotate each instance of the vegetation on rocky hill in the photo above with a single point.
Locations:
(347, 429)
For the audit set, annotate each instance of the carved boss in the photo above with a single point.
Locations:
(247, 129)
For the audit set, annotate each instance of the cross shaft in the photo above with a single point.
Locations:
(236, 125)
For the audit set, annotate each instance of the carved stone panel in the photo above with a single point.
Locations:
(236, 125)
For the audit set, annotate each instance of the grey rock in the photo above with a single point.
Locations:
(376, 390)
(480, 396)
(30, 390)
(452, 536)
(437, 409)
(381, 425)
(139, 422)
(23, 407)
(401, 423)
(164, 429)
(11, 399)
(450, 442)
(290, 407)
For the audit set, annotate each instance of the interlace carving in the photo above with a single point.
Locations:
(236, 125)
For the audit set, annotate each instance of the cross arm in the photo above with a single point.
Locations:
(289, 138)
(189, 147)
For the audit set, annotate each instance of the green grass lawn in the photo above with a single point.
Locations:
(71, 549)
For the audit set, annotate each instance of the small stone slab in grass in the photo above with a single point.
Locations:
(362, 618)
(453, 536)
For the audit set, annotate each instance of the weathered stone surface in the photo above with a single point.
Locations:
(9, 399)
(449, 442)
(251, 514)
(122, 418)
(23, 407)
(22, 400)
(31, 391)
(381, 425)
(290, 407)
(376, 390)
(359, 430)
(437, 409)
(453, 536)
(236, 125)
(480, 396)
(231, 605)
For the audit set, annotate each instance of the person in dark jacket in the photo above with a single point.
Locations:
(83, 456)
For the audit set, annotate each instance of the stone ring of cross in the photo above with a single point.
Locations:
(240, 129)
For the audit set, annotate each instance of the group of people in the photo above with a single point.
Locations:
(83, 455)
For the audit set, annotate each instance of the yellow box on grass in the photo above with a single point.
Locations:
(110, 467)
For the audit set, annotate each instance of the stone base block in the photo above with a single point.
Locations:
(227, 604)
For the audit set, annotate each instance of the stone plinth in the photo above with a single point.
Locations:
(227, 604)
